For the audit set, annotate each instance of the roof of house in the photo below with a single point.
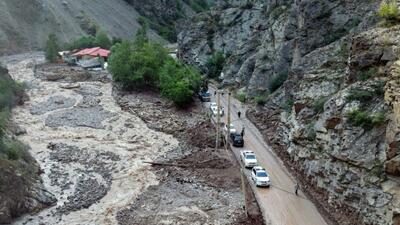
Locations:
(97, 51)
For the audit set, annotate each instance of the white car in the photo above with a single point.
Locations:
(213, 105)
(260, 177)
(248, 158)
(214, 111)
(232, 129)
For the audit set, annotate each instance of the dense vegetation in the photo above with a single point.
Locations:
(143, 64)
(11, 93)
(388, 10)
(100, 40)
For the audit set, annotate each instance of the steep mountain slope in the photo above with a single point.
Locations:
(329, 121)
(25, 24)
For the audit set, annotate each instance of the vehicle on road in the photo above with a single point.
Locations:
(260, 177)
(205, 96)
(214, 111)
(248, 158)
(237, 140)
(231, 129)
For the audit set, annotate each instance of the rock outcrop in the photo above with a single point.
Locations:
(335, 120)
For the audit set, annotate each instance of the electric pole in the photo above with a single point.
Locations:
(229, 116)
(218, 119)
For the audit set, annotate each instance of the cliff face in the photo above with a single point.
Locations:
(335, 118)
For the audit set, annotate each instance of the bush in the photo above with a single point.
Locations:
(277, 81)
(318, 105)
(311, 133)
(366, 75)
(359, 95)
(215, 64)
(260, 99)
(241, 96)
(52, 48)
(363, 119)
(388, 10)
(289, 105)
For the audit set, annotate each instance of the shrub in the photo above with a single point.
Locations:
(51, 49)
(365, 75)
(359, 95)
(318, 105)
(289, 105)
(363, 119)
(311, 133)
(388, 10)
(344, 50)
(260, 99)
(215, 64)
(277, 81)
(241, 96)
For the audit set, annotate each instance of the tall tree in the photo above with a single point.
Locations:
(102, 39)
(51, 48)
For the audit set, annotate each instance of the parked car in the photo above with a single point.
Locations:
(231, 129)
(237, 140)
(214, 111)
(205, 96)
(248, 158)
(260, 177)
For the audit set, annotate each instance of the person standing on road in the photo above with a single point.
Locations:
(239, 113)
(296, 189)
(242, 133)
(215, 93)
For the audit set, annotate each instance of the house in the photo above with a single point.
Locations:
(90, 58)
(92, 52)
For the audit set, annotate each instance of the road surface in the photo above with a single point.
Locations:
(278, 203)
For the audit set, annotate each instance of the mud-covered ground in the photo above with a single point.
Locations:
(198, 184)
(93, 144)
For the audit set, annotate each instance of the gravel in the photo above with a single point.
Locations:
(79, 117)
(53, 103)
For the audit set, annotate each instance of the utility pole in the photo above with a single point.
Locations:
(229, 116)
(218, 120)
(243, 177)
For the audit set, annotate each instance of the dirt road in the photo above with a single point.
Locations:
(278, 203)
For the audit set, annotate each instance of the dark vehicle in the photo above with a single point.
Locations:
(205, 96)
(237, 140)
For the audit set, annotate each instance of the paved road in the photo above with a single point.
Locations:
(278, 203)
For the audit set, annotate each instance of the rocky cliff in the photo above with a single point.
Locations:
(334, 121)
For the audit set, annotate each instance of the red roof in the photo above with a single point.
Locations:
(97, 51)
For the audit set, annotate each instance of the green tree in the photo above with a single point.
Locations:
(215, 64)
(102, 39)
(118, 63)
(141, 37)
(82, 42)
(51, 50)
(179, 82)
